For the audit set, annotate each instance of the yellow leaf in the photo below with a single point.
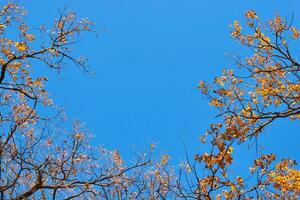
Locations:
(251, 14)
(295, 33)
(21, 46)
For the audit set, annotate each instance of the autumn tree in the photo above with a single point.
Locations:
(42, 159)
(264, 87)
(39, 158)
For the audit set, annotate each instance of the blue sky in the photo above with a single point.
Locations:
(147, 66)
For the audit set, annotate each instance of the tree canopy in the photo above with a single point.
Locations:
(42, 159)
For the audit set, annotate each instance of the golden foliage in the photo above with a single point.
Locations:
(267, 89)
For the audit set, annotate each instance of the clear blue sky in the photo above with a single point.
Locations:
(148, 64)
